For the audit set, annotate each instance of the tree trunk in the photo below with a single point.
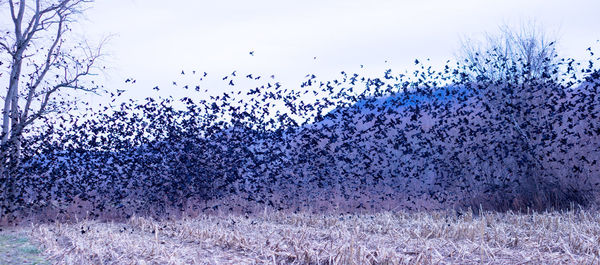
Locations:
(10, 111)
(10, 143)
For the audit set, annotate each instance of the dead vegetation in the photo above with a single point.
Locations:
(444, 237)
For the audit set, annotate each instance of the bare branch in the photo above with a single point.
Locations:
(12, 10)
(68, 83)
(45, 70)
(5, 46)
(526, 50)
(69, 68)
(35, 19)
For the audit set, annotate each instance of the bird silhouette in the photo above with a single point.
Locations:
(425, 140)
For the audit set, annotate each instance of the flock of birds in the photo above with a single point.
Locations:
(351, 144)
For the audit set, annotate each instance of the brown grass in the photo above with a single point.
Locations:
(276, 238)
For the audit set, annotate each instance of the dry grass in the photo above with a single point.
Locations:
(276, 238)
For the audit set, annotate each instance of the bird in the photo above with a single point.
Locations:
(402, 139)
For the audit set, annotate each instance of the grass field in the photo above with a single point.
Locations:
(571, 237)
(16, 248)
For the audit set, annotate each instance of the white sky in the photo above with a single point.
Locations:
(155, 39)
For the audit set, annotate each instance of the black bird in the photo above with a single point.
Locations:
(362, 141)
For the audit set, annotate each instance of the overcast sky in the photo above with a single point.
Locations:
(153, 40)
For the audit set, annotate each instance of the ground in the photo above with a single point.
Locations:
(446, 237)
(16, 248)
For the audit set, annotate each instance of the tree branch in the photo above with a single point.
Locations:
(8, 50)
(48, 63)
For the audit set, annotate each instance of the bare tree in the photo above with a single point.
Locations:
(517, 73)
(41, 64)
(512, 54)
